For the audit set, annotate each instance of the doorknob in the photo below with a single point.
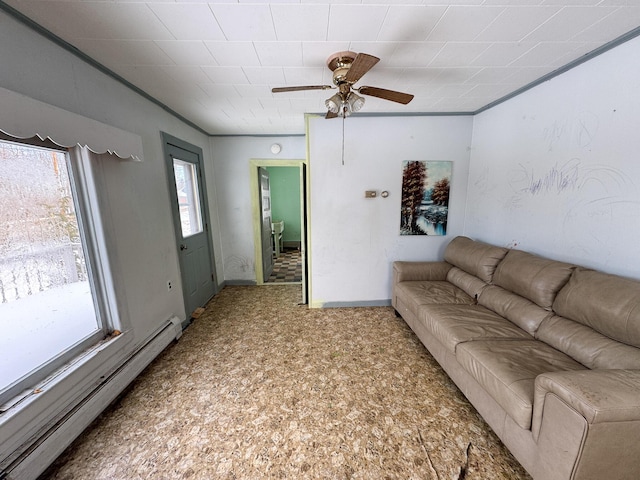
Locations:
(183, 247)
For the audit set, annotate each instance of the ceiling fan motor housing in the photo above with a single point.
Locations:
(339, 63)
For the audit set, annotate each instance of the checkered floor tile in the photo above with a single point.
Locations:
(287, 268)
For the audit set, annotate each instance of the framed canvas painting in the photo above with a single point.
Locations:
(424, 203)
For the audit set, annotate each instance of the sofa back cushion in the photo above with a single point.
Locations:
(592, 349)
(606, 303)
(477, 258)
(535, 278)
(524, 313)
(465, 281)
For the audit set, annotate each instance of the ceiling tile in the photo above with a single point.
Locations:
(492, 75)
(458, 54)
(515, 23)
(234, 54)
(303, 76)
(502, 53)
(612, 26)
(265, 75)
(188, 73)
(300, 22)
(245, 102)
(413, 54)
(424, 76)
(488, 91)
(568, 22)
(188, 21)
(256, 91)
(215, 61)
(187, 52)
(543, 54)
(130, 21)
(409, 23)
(245, 22)
(464, 23)
(283, 54)
(355, 22)
(226, 75)
(456, 75)
(572, 2)
(219, 92)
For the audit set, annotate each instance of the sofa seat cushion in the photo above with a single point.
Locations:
(507, 370)
(455, 324)
(416, 293)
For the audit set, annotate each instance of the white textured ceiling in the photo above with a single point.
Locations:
(215, 62)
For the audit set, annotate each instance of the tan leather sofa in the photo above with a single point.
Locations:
(547, 352)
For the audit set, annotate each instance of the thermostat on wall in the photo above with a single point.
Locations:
(275, 148)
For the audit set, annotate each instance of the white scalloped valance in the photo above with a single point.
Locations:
(23, 117)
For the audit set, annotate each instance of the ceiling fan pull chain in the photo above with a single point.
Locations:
(343, 140)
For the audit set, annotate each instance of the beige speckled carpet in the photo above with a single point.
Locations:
(260, 387)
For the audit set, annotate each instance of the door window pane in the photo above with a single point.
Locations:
(188, 197)
(46, 300)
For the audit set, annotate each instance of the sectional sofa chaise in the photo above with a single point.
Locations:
(547, 352)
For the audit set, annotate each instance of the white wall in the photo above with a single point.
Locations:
(135, 196)
(556, 171)
(355, 240)
(232, 179)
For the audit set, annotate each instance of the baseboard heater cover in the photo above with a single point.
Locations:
(52, 443)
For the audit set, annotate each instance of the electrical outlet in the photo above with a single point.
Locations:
(169, 285)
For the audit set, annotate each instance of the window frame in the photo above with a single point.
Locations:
(92, 234)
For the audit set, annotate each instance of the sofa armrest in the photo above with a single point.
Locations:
(409, 271)
(598, 395)
(587, 425)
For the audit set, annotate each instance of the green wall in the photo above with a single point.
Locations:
(285, 200)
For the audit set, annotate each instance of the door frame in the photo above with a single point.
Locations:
(167, 140)
(301, 164)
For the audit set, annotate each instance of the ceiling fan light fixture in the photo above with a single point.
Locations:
(334, 103)
(355, 101)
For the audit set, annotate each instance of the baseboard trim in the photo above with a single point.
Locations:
(361, 303)
(238, 282)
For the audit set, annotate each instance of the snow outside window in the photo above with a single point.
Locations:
(49, 311)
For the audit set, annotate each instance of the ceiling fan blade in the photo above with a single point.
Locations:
(296, 89)
(330, 114)
(392, 95)
(361, 65)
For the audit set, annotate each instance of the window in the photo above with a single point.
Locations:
(49, 308)
(187, 188)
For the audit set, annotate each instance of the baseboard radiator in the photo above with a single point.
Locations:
(43, 452)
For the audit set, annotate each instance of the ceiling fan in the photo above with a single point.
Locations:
(348, 68)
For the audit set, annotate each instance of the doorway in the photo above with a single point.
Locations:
(190, 211)
(287, 232)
